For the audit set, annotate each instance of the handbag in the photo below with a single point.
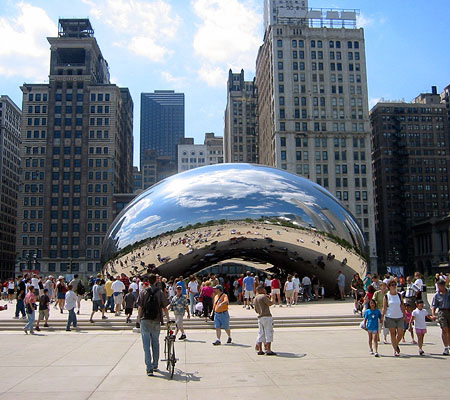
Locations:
(211, 317)
(362, 325)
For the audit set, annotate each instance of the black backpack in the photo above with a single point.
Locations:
(80, 288)
(151, 305)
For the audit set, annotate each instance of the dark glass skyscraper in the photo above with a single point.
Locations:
(162, 122)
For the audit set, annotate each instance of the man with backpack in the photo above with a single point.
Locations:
(152, 304)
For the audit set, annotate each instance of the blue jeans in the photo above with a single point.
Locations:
(30, 323)
(110, 304)
(150, 336)
(72, 319)
(20, 308)
(192, 302)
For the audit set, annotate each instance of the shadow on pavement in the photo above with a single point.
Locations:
(289, 355)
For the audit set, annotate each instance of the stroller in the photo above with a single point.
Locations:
(198, 307)
(360, 294)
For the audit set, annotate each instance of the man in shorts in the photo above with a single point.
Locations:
(179, 305)
(97, 301)
(118, 287)
(221, 316)
(441, 301)
(265, 321)
(341, 285)
(249, 289)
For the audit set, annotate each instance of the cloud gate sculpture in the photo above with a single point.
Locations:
(254, 213)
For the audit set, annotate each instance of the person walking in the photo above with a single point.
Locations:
(249, 290)
(378, 296)
(207, 296)
(221, 316)
(75, 282)
(97, 300)
(20, 295)
(420, 325)
(44, 306)
(118, 287)
(394, 314)
(61, 290)
(341, 285)
(371, 318)
(315, 286)
(441, 301)
(130, 302)
(152, 304)
(179, 305)
(30, 307)
(265, 322)
(71, 300)
(193, 292)
(289, 291)
(275, 288)
(109, 294)
(306, 284)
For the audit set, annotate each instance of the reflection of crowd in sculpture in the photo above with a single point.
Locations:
(164, 249)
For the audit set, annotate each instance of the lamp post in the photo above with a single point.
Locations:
(70, 265)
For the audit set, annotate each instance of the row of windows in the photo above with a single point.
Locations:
(37, 97)
(36, 121)
(319, 44)
(99, 97)
(322, 127)
(36, 134)
(56, 162)
(69, 96)
(318, 55)
(37, 109)
(75, 267)
(32, 240)
(98, 188)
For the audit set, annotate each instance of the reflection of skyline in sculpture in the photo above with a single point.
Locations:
(282, 205)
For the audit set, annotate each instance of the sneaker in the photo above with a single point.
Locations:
(413, 342)
(377, 355)
(216, 343)
(150, 373)
(26, 331)
(182, 337)
(15, 317)
(24, 317)
(156, 369)
(67, 330)
(104, 317)
(78, 312)
(61, 311)
(271, 353)
(46, 325)
(421, 352)
(371, 352)
(396, 354)
(38, 329)
(91, 321)
(229, 340)
(248, 308)
(446, 352)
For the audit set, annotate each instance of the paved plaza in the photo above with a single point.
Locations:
(312, 363)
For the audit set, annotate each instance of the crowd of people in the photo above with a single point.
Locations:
(392, 305)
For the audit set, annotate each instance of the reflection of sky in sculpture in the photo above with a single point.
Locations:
(229, 191)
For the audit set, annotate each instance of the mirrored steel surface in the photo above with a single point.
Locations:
(254, 213)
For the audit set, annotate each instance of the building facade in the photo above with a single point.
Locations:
(162, 123)
(192, 155)
(410, 160)
(137, 179)
(313, 117)
(77, 149)
(241, 122)
(10, 120)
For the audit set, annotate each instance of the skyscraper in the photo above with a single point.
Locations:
(411, 160)
(313, 104)
(162, 123)
(77, 149)
(10, 116)
(240, 136)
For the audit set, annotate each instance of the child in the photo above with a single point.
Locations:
(418, 316)
(371, 318)
(409, 323)
(130, 301)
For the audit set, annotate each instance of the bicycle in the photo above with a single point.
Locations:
(169, 349)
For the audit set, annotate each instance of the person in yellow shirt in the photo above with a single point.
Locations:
(221, 316)
(109, 295)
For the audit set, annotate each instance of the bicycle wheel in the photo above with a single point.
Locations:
(173, 360)
(169, 354)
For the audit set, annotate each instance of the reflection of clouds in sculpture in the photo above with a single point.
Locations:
(232, 192)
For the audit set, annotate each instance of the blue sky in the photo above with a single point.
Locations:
(189, 45)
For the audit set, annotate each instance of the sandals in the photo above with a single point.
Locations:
(271, 353)
(260, 353)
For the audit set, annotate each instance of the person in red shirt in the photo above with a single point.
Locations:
(240, 289)
(125, 281)
(275, 289)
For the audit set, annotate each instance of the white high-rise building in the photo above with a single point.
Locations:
(313, 103)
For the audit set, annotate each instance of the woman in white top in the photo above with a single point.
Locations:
(289, 290)
(394, 314)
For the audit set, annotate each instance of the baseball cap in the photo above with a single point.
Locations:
(218, 287)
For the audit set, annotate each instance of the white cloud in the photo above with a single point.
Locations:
(147, 26)
(365, 21)
(227, 37)
(177, 81)
(24, 49)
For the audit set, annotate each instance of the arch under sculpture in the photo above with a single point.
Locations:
(254, 213)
